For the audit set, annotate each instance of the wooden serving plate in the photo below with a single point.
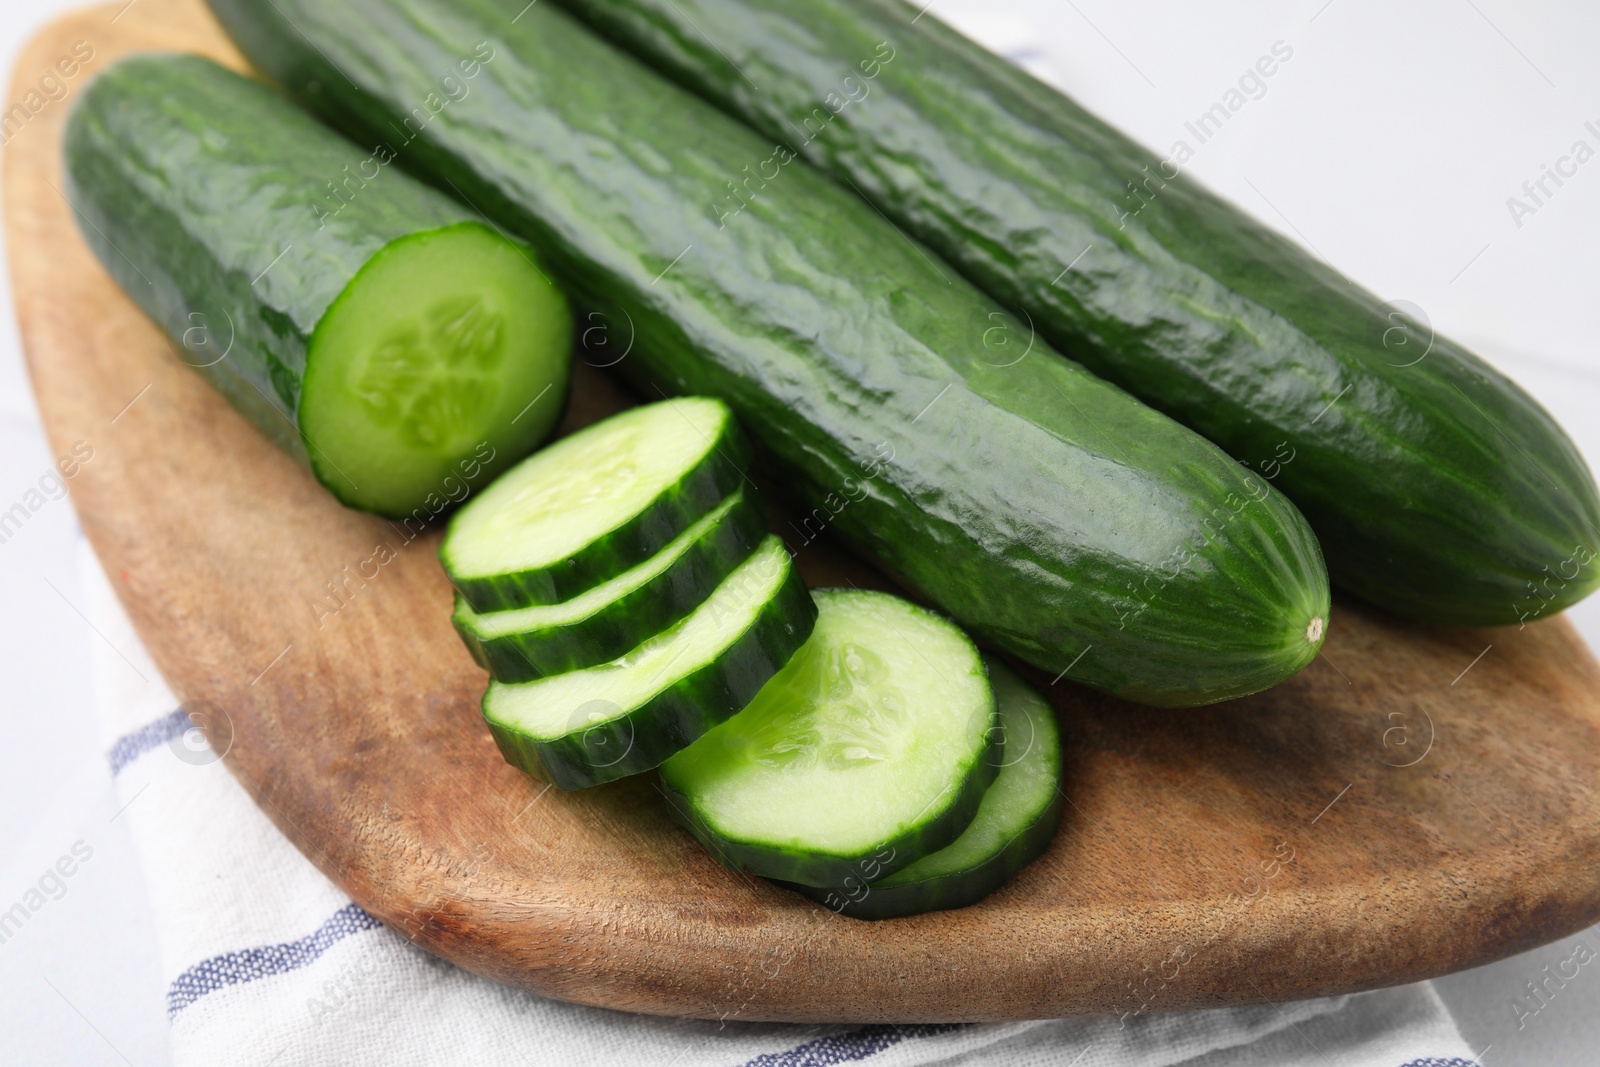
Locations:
(1417, 801)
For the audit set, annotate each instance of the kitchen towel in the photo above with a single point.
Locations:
(268, 964)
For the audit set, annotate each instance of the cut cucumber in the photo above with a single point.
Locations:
(619, 615)
(868, 751)
(591, 726)
(594, 504)
(446, 344)
(366, 323)
(1014, 824)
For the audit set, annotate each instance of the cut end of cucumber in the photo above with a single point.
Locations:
(581, 488)
(445, 359)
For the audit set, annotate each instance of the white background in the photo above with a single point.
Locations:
(1389, 144)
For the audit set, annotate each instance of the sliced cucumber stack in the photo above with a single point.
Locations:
(614, 617)
(868, 751)
(1014, 824)
(851, 746)
(590, 726)
(594, 504)
(623, 593)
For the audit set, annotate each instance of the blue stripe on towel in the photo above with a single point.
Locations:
(850, 1046)
(868, 1041)
(130, 747)
(233, 968)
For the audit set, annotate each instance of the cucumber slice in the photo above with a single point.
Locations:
(619, 615)
(447, 344)
(1014, 824)
(591, 726)
(594, 504)
(868, 751)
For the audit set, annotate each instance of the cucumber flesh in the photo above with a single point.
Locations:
(591, 726)
(868, 751)
(594, 504)
(447, 343)
(607, 621)
(1015, 822)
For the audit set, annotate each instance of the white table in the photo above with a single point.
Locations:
(1388, 142)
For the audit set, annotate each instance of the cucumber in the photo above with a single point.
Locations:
(619, 615)
(872, 748)
(594, 504)
(1047, 511)
(590, 726)
(369, 325)
(1439, 488)
(1015, 823)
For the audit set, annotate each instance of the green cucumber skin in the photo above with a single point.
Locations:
(670, 721)
(1047, 511)
(674, 511)
(161, 208)
(950, 891)
(629, 621)
(813, 869)
(1440, 490)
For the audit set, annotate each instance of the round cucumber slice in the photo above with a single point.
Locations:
(594, 504)
(1015, 823)
(591, 726)
(867, 752)
(444, 360)
(525, 643)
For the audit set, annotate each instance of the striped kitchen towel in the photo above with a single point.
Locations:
(268, 964)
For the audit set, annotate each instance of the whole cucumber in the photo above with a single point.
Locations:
(1439, 489)
(1047, 510)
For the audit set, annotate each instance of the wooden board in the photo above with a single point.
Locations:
(1414, 802)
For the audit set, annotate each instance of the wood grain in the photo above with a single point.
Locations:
(1381, 818)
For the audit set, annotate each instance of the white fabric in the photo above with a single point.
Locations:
(270, 964)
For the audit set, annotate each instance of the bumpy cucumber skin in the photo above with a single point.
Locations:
(671, 720)
(628, 621)
(1439, 488)
(1046, 510)
(161, 153)
(890, 898)
(817, 869)
(678, 507)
